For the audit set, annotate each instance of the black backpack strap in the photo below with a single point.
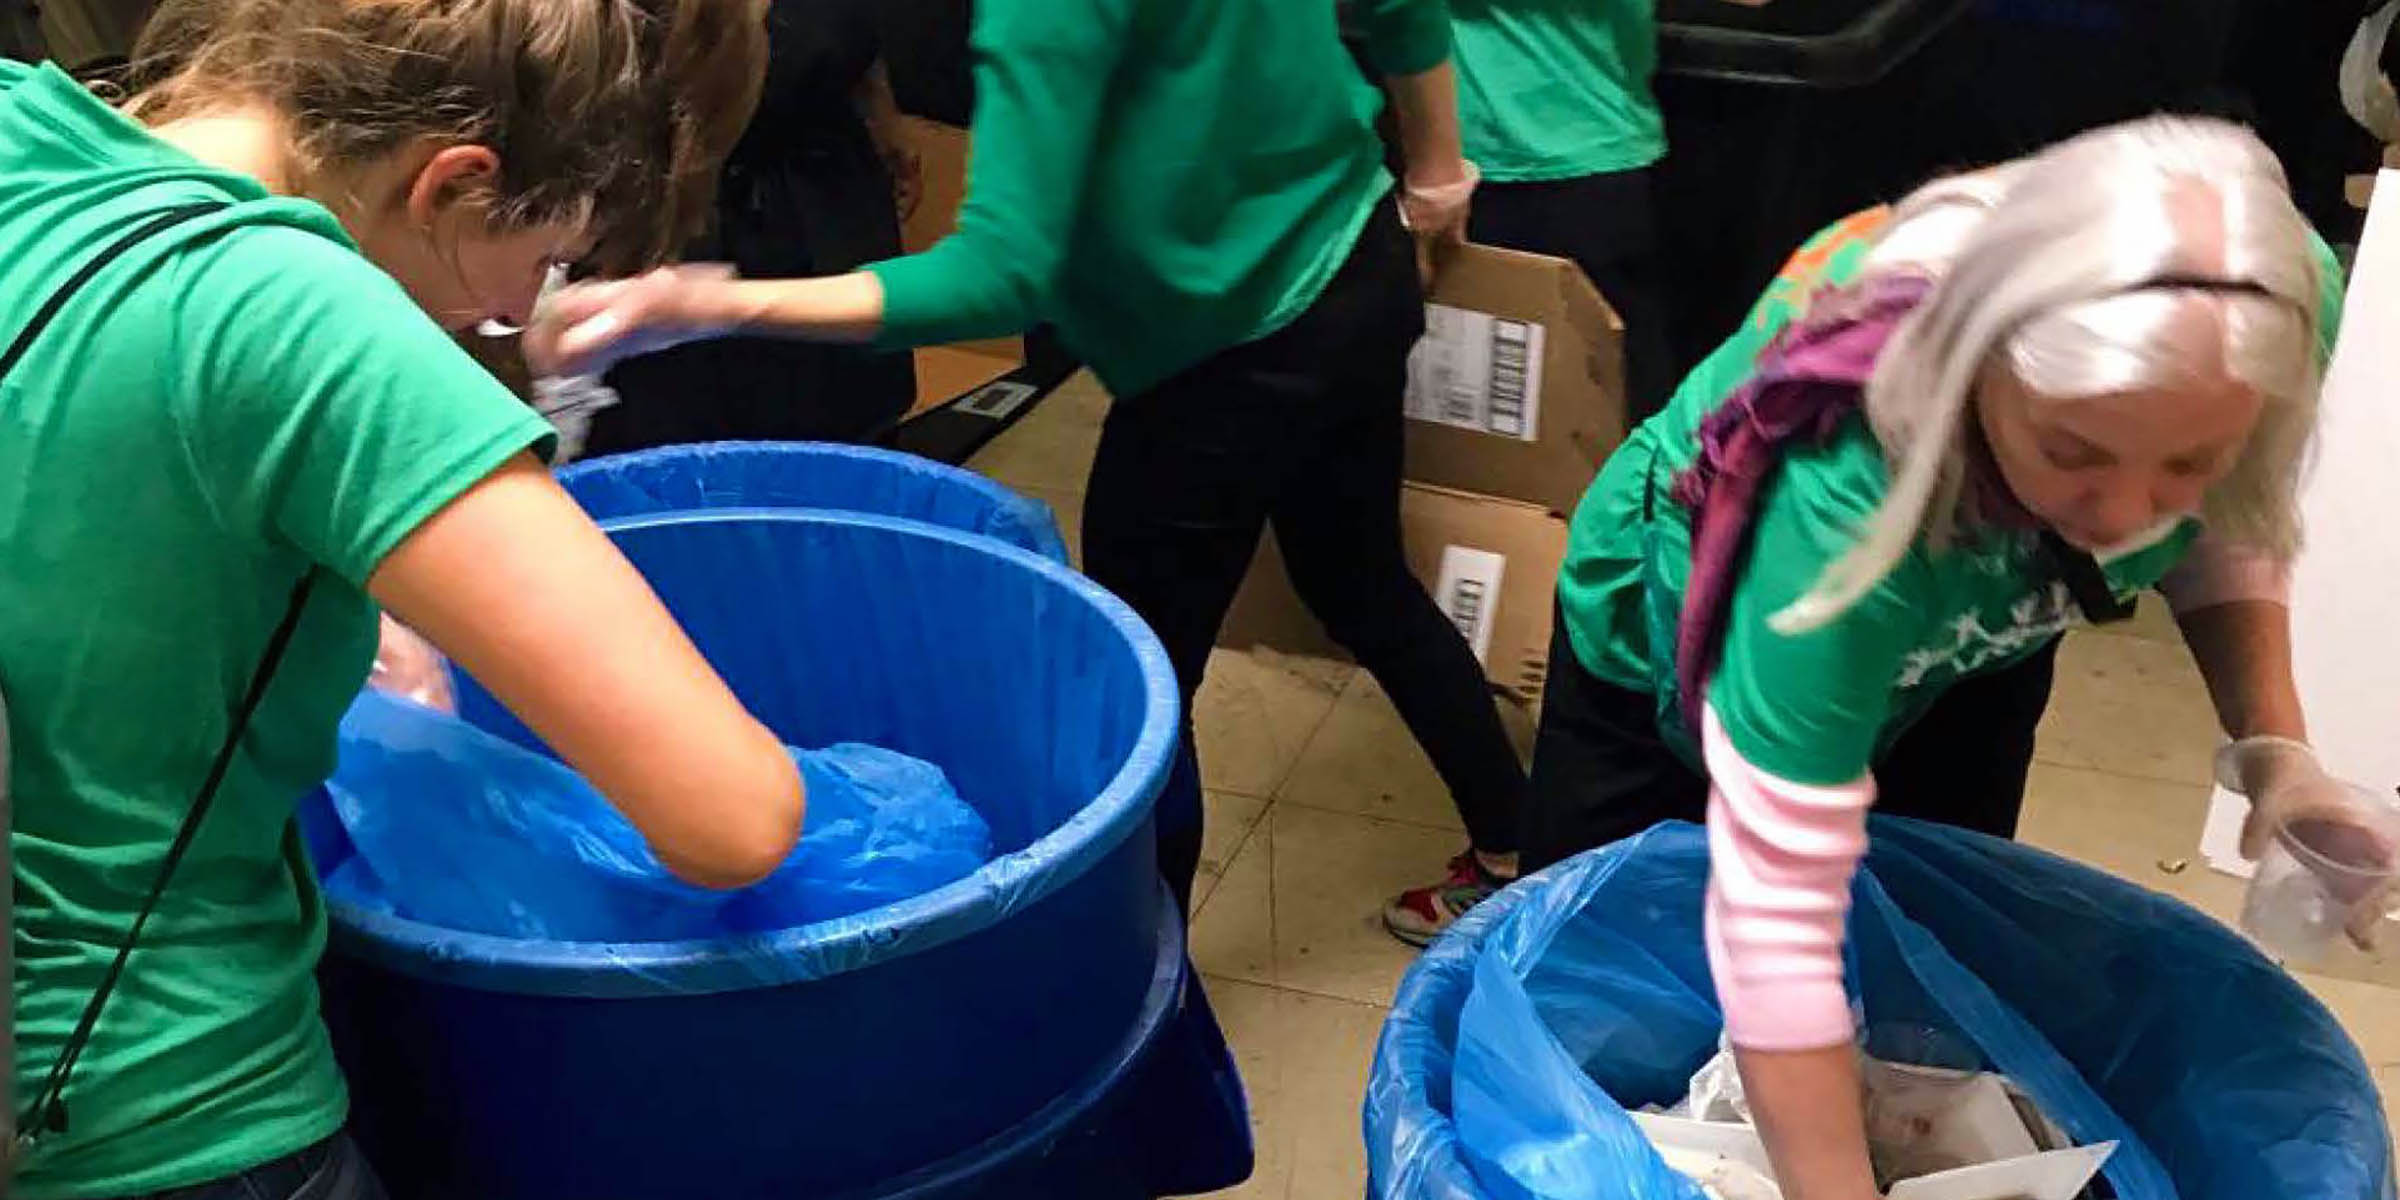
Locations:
(83, 275)
(2087, 583)
(48, 1110)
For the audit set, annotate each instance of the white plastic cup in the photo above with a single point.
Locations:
(2314, 873)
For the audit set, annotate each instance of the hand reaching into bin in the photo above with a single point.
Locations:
(409, 667)
(517, 585)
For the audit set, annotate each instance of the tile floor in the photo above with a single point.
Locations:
(1320, 806)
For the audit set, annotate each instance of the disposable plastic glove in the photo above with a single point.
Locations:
(408, 666)
(586, 328)
(2288, 787)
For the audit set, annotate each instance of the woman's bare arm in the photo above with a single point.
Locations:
(518, 586)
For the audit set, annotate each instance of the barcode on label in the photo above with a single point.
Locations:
(1468, 591)
(1476, 371)
(1511, 344)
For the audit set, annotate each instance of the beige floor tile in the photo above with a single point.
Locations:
(2144, 830)
(2132, 706)
(1255, 713)
(1229, 820)
(1233, 924)
(1364, 761)
(1300, 906)
(1332, 873)
(1304, 1060)
(1052, 447)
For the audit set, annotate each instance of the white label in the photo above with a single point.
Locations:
(1476, 371)
(1469, 593)
(996, 400)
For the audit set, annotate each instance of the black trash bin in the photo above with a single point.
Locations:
(1783, 118)
(1779, 120)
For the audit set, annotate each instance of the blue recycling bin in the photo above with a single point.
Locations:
(1520, 1039)
(1029, 1030)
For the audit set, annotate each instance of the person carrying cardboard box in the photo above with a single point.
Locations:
(1555, 105)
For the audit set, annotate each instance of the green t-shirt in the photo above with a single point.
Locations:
(1160, 179)
(223, 408)
(1818, 708)
(1557, 89)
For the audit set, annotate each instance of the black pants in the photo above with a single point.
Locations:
(1601, 773)
(1301, 429)
(330, 1170)
(1608, 225)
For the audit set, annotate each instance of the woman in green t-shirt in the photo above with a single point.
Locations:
(1193, 193)
(232, 409)
(1829, 576)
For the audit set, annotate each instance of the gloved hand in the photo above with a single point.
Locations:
(2289, 789)
(1437, 213)
(408, 666)
(586, 328)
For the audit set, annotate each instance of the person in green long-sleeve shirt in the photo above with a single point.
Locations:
(1193, 193)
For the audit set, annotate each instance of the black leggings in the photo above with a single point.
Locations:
(1302, 429)
(1601, 772)
(1606, 224)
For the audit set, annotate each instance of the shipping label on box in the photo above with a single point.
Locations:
(1517, 389)
(1478, 372)
(1491, 566)
(1468, 592)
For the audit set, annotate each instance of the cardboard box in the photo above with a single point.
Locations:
(945, 373)
(1490, 563)
(1518, 388)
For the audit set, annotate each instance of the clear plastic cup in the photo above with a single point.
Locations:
(2315, 872)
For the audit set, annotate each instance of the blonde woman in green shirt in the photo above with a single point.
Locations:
(231, 409)
(1829, 577)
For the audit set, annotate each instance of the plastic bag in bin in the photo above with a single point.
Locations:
(458, 828)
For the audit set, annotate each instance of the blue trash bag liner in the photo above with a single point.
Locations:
(1519, 1041)
(1048, 704)
(452, 826)
(810, 475)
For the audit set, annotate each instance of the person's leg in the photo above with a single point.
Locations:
(1338, 522)
(1182, 485)
(1606, 224)
(330, 1170)
(1171, 519)
(1600, 770)
(1965, 762)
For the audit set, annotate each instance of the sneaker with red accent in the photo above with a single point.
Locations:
(1419, 915)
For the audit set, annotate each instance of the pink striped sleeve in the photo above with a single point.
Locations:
(2218, 571)
(1781, 855)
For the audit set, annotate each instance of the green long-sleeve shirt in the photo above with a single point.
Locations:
(1160, 179)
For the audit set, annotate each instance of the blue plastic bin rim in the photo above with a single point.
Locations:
(1006, 885)
(693, 457)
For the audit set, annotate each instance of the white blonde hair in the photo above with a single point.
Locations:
(2148, 255)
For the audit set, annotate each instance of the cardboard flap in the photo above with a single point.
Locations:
(1517, 388)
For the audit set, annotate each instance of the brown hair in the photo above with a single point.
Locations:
(613, 111)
